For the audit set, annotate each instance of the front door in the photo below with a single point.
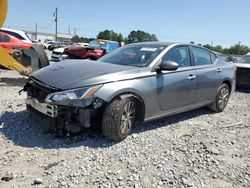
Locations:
(176, 89)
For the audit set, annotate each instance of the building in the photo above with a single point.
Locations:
(48, 36)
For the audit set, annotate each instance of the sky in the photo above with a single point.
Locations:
(221, 22)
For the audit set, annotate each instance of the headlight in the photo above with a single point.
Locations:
(76, 97)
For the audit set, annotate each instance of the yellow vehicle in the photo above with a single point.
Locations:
(24, 61)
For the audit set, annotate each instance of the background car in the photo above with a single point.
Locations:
(54, 46)
(137, 82)
(243, 71)
(58, 54)
(47, 44)
(95, 50)
(21, 35)
(10, 42)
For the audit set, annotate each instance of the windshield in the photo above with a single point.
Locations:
(96, 44)
(245, 59)
(137, 55)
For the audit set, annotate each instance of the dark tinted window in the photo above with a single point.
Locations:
(4, 38)
(14, 34)
(179, 55)
(201, 56)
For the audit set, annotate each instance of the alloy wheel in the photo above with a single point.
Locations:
(223, 98)
(127, 117)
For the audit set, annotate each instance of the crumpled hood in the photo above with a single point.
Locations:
(70, 74)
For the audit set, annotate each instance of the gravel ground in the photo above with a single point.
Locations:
(194, 149)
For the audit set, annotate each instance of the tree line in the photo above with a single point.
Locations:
(133, 37)
(142, 36)
(236, 49)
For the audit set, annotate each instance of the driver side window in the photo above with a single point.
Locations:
(180, 55)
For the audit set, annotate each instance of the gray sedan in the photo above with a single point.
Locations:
(137, 82)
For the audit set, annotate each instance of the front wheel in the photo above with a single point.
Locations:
(119, 118)
(221, 98)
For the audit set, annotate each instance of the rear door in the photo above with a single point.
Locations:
(208, 74)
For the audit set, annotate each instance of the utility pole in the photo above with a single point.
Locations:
(239, 48)
(74, 31)
(55, 15)
(212, 43)
(69, 30)
(36, 31)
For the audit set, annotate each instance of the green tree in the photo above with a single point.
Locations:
(76, 39)
(238, 49)
(110, 35)
(217, 48)
(140, 36)
(208, 46)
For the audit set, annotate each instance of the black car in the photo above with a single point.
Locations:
(243, 71)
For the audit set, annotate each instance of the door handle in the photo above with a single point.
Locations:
(191, 77)
(218, 70)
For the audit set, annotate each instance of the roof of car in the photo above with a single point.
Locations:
(13, 30)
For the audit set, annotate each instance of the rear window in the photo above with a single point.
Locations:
(4, 38)
(246, 59)
(14, 34)
(201, 56)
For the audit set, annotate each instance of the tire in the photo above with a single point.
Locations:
(51, 48)
(43, 58)
(119, 118)
(17, 54)
(221, 98)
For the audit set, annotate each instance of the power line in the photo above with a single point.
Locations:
(47, 26)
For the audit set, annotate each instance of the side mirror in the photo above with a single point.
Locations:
(168, 66)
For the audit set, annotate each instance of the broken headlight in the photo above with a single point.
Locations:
(77, 97)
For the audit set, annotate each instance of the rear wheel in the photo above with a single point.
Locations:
(43, 58)
(221, 98)
(119, 118)
(36, 51)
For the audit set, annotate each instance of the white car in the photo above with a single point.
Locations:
(57, 54)
(47, 44)
(17, 33)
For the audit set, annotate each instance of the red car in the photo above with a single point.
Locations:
(96, 49)
(10, 42)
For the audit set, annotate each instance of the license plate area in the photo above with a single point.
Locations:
(47, 109)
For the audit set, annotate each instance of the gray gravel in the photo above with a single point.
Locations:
(194, 149)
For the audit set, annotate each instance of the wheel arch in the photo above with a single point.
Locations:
(140, 112)
(227, 81)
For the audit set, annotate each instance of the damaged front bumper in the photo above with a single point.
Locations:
(60, 118)
(46, 109)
